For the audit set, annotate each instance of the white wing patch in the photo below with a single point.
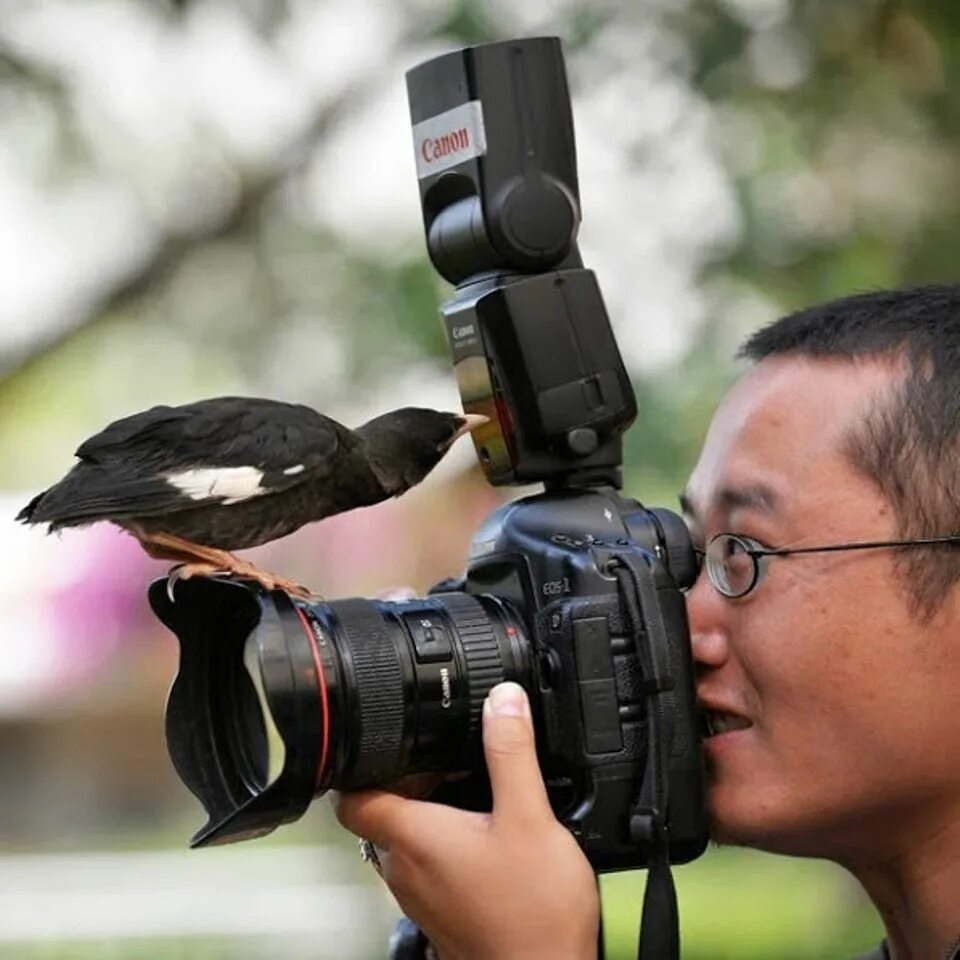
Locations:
(293, 471)
(229, 484)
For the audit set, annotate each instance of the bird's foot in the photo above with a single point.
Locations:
(184, 571)
(240, 568)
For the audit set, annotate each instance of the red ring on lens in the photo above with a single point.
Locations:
(324, 702)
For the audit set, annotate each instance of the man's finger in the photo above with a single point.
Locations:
(373, 814)
(509, 747)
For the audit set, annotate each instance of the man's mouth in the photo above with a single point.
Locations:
(716, 722)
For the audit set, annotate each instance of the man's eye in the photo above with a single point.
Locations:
(750, 542)
(733, 546)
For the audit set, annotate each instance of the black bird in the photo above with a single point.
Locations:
(194, 482)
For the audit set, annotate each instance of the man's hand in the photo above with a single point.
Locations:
(509, 885)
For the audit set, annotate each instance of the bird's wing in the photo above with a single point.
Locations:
(222, 432)
(223, 451)
(139, 430)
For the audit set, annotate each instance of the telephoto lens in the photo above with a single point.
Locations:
(278, 700)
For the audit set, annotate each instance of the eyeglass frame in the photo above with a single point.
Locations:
(755, 550)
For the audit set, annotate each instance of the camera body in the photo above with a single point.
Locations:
(548, 557)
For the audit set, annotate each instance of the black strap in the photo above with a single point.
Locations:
(660, 923)
(659, 936)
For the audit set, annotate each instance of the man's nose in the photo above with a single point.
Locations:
(707, 612)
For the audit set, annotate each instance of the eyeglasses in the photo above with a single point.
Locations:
(733, 561)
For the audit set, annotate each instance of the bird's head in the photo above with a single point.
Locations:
(403, 446)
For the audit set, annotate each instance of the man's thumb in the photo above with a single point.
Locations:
(509, 746)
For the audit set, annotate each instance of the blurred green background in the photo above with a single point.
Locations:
(200, 198)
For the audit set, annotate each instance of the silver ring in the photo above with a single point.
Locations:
(369, 854)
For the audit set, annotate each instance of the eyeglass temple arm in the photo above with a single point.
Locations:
(864, 545)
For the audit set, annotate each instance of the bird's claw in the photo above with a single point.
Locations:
(272, 582)
(172, 577)
(184, 571)
(304, 593)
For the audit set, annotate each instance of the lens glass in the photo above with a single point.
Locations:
(255, 742)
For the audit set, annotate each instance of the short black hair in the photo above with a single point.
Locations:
(908, 444)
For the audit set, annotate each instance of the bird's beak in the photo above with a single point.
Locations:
(472, 421)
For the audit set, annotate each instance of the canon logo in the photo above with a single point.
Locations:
(449, 138)
(435, 148)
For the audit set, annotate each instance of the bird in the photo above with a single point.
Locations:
(197, 481)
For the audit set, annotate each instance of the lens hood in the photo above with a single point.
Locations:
(209, 714)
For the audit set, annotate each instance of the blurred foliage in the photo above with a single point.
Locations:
(838, 126)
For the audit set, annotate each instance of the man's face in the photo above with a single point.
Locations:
(851, 700)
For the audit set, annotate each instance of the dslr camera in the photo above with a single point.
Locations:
(576, 592)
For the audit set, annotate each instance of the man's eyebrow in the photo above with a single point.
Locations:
(756, 496)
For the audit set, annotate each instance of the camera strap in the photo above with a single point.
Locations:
(659, 937)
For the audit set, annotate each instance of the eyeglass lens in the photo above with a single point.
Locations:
(730, 566)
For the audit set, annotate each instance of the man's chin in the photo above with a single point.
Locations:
(736, 835)
(787, 839)
(734, 827)
(724, 834)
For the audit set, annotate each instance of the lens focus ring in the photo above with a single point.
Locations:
(379, 684)
(480, 649)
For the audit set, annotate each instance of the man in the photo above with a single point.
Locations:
(829, 659)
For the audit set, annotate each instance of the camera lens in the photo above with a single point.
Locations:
(405, 682)
(278, 700)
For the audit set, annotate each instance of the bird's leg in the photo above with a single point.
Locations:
(199, 560)
(166, 546)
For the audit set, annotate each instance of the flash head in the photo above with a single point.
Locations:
(493, 142)
(532, 346)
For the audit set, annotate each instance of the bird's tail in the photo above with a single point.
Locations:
(48, 507)
(26, 515)
(62, 505)
(92, 492)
